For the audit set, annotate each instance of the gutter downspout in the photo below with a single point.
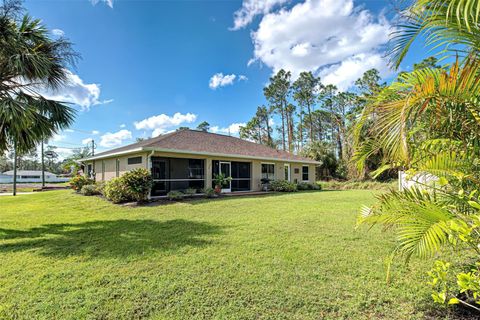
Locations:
(149, 167)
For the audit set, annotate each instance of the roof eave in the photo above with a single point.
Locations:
(109, 155)
(226, 155)
(136, 150)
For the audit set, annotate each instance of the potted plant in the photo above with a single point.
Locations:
(220, 180)
(265, 183)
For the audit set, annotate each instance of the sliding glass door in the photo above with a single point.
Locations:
(226, 170)
(240, 172)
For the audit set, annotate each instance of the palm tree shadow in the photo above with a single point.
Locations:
(109, 239)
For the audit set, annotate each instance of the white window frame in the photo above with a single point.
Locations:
(287, 165)
(261, 173)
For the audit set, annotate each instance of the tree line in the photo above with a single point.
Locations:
(305, 116)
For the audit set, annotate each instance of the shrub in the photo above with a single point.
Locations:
(303, 186)
(89, 190)
(78, 182)
(138, 183)
(100, 187)
(283, 186)
(209, 192)
(308, 186)
(190, 192)
(175, 195)
(116, 191)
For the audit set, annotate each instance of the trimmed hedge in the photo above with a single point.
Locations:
(283, 186)
(308, 186)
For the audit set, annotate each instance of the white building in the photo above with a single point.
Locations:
(30, 176)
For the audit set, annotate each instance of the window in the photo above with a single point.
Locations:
(134, 160)
(176, 174)
(103, 170)
(117, 167)
(287, 172)
(89, 171)
(268, 171)
(304, 173)
(296, 170)
(28, 177)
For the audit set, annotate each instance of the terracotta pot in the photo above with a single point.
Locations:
(218, 189)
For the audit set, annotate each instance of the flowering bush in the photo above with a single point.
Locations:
(137, 183)
(77, 182)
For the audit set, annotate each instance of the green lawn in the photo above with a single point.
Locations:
(292, 256)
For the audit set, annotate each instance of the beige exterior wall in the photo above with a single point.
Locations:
(106, 169)
(110, 167)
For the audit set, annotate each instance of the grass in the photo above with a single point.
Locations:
(288, 256)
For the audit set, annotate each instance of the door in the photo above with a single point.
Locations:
(287, 172)
(159, 175)
(226, 170)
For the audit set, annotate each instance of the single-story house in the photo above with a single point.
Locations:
(191, 159)
(30, 176)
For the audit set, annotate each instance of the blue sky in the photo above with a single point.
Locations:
(148, 67)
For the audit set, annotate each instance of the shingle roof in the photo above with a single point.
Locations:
(200, 142)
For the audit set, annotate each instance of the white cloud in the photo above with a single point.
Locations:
(109, 139)
(107, 2)
(221, 80)
(345, 73)
(322, 36)
(232, 129)
(58, 137)
(63, 152)
(163, 123)
(252, 8)
(58, 32)
(95, 132)
(122, 125)
(77, 92)
(87, 141)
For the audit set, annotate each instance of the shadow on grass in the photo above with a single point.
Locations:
(109, 239)
(202, 200)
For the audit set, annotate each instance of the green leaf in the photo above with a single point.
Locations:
(474, 204)
(453, 301)
(442, 181)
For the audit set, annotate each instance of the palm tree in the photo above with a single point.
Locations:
(30, 61)
(428, 121)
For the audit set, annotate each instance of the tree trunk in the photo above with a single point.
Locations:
(311, 122)
(290, 132)
(339, 144)
(283, 127)
(15, 168)
(269, 137)
(300, 128)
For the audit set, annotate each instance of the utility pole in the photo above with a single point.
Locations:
(15, 167)
(93, 147)
(43, 167)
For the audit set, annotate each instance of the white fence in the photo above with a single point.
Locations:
(419, 180)
(49, 179)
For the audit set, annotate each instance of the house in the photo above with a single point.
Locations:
(30, 176)
(191, 159)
